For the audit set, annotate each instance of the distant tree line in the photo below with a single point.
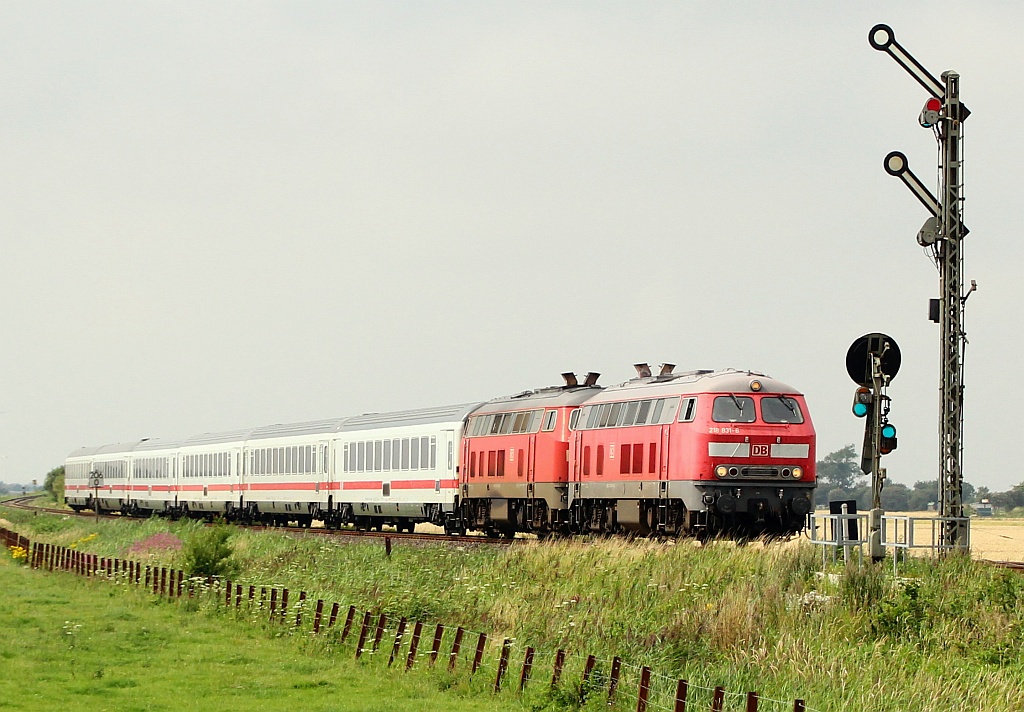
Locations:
(840, 478)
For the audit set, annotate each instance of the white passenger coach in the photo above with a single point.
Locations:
(369, 470)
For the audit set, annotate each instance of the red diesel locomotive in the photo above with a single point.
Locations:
(692, 453)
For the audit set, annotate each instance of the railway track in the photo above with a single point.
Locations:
(25, 503)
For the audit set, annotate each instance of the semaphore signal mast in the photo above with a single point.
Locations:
(943, 235)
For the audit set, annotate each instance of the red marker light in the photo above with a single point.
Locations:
(933, 104)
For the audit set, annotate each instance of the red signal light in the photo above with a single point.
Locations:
(930, 113)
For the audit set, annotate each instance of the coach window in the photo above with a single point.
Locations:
(378, 455)
(433, 452)
(414, 453)
(396, 454)
(733, 409)
(405, 453)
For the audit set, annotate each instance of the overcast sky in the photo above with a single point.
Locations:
(220, 215)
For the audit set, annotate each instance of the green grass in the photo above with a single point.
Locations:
(945, 635)
(74, 644)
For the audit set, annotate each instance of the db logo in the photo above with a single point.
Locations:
(759, 450)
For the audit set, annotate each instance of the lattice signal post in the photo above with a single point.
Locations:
(942, 234)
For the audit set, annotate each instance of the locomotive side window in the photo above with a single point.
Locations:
(780, 409)
(624, 460)
(733, 409)
(549, 420)
(586, 461)
(574, 419)
(645, 410)
(688, 411)
(629, 417)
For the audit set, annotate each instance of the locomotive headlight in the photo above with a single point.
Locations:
(798, 472)
(755, 386)
(722, 471)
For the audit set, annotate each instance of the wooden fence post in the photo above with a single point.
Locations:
(334, 615)
(798, 706)
(456, 646)
(478, 658)
(318, 616)
(348, 623)
(379, 633)
(399, 634)
(681, 688)
(284, 604)
(718, 699)
(414, 645)
(273, 603)
(298, 609)
(556, 675)
(436, 648)
(506, 648)
(752, 698)
(363, 632)
(645, 689)
(524, 676)
(587, 670)
(613, 682)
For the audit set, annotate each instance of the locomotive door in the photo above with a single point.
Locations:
(663, 469)
(577, 446)
(531, 460)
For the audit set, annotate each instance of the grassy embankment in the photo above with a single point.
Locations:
(944, 636)
(75, 644)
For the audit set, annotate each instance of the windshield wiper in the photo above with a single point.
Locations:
(788, 402)
(739, 406)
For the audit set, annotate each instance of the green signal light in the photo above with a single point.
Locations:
(888, 431)
(860, 409)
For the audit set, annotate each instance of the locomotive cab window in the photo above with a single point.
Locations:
(780, 409)
(733, 409)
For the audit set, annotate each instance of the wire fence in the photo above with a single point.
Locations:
(507, 665)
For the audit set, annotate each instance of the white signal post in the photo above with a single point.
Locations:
(943, 234)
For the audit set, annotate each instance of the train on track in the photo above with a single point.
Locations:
(697, 453)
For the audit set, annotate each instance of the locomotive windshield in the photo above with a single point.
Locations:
(733, 409)
(780, 409)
